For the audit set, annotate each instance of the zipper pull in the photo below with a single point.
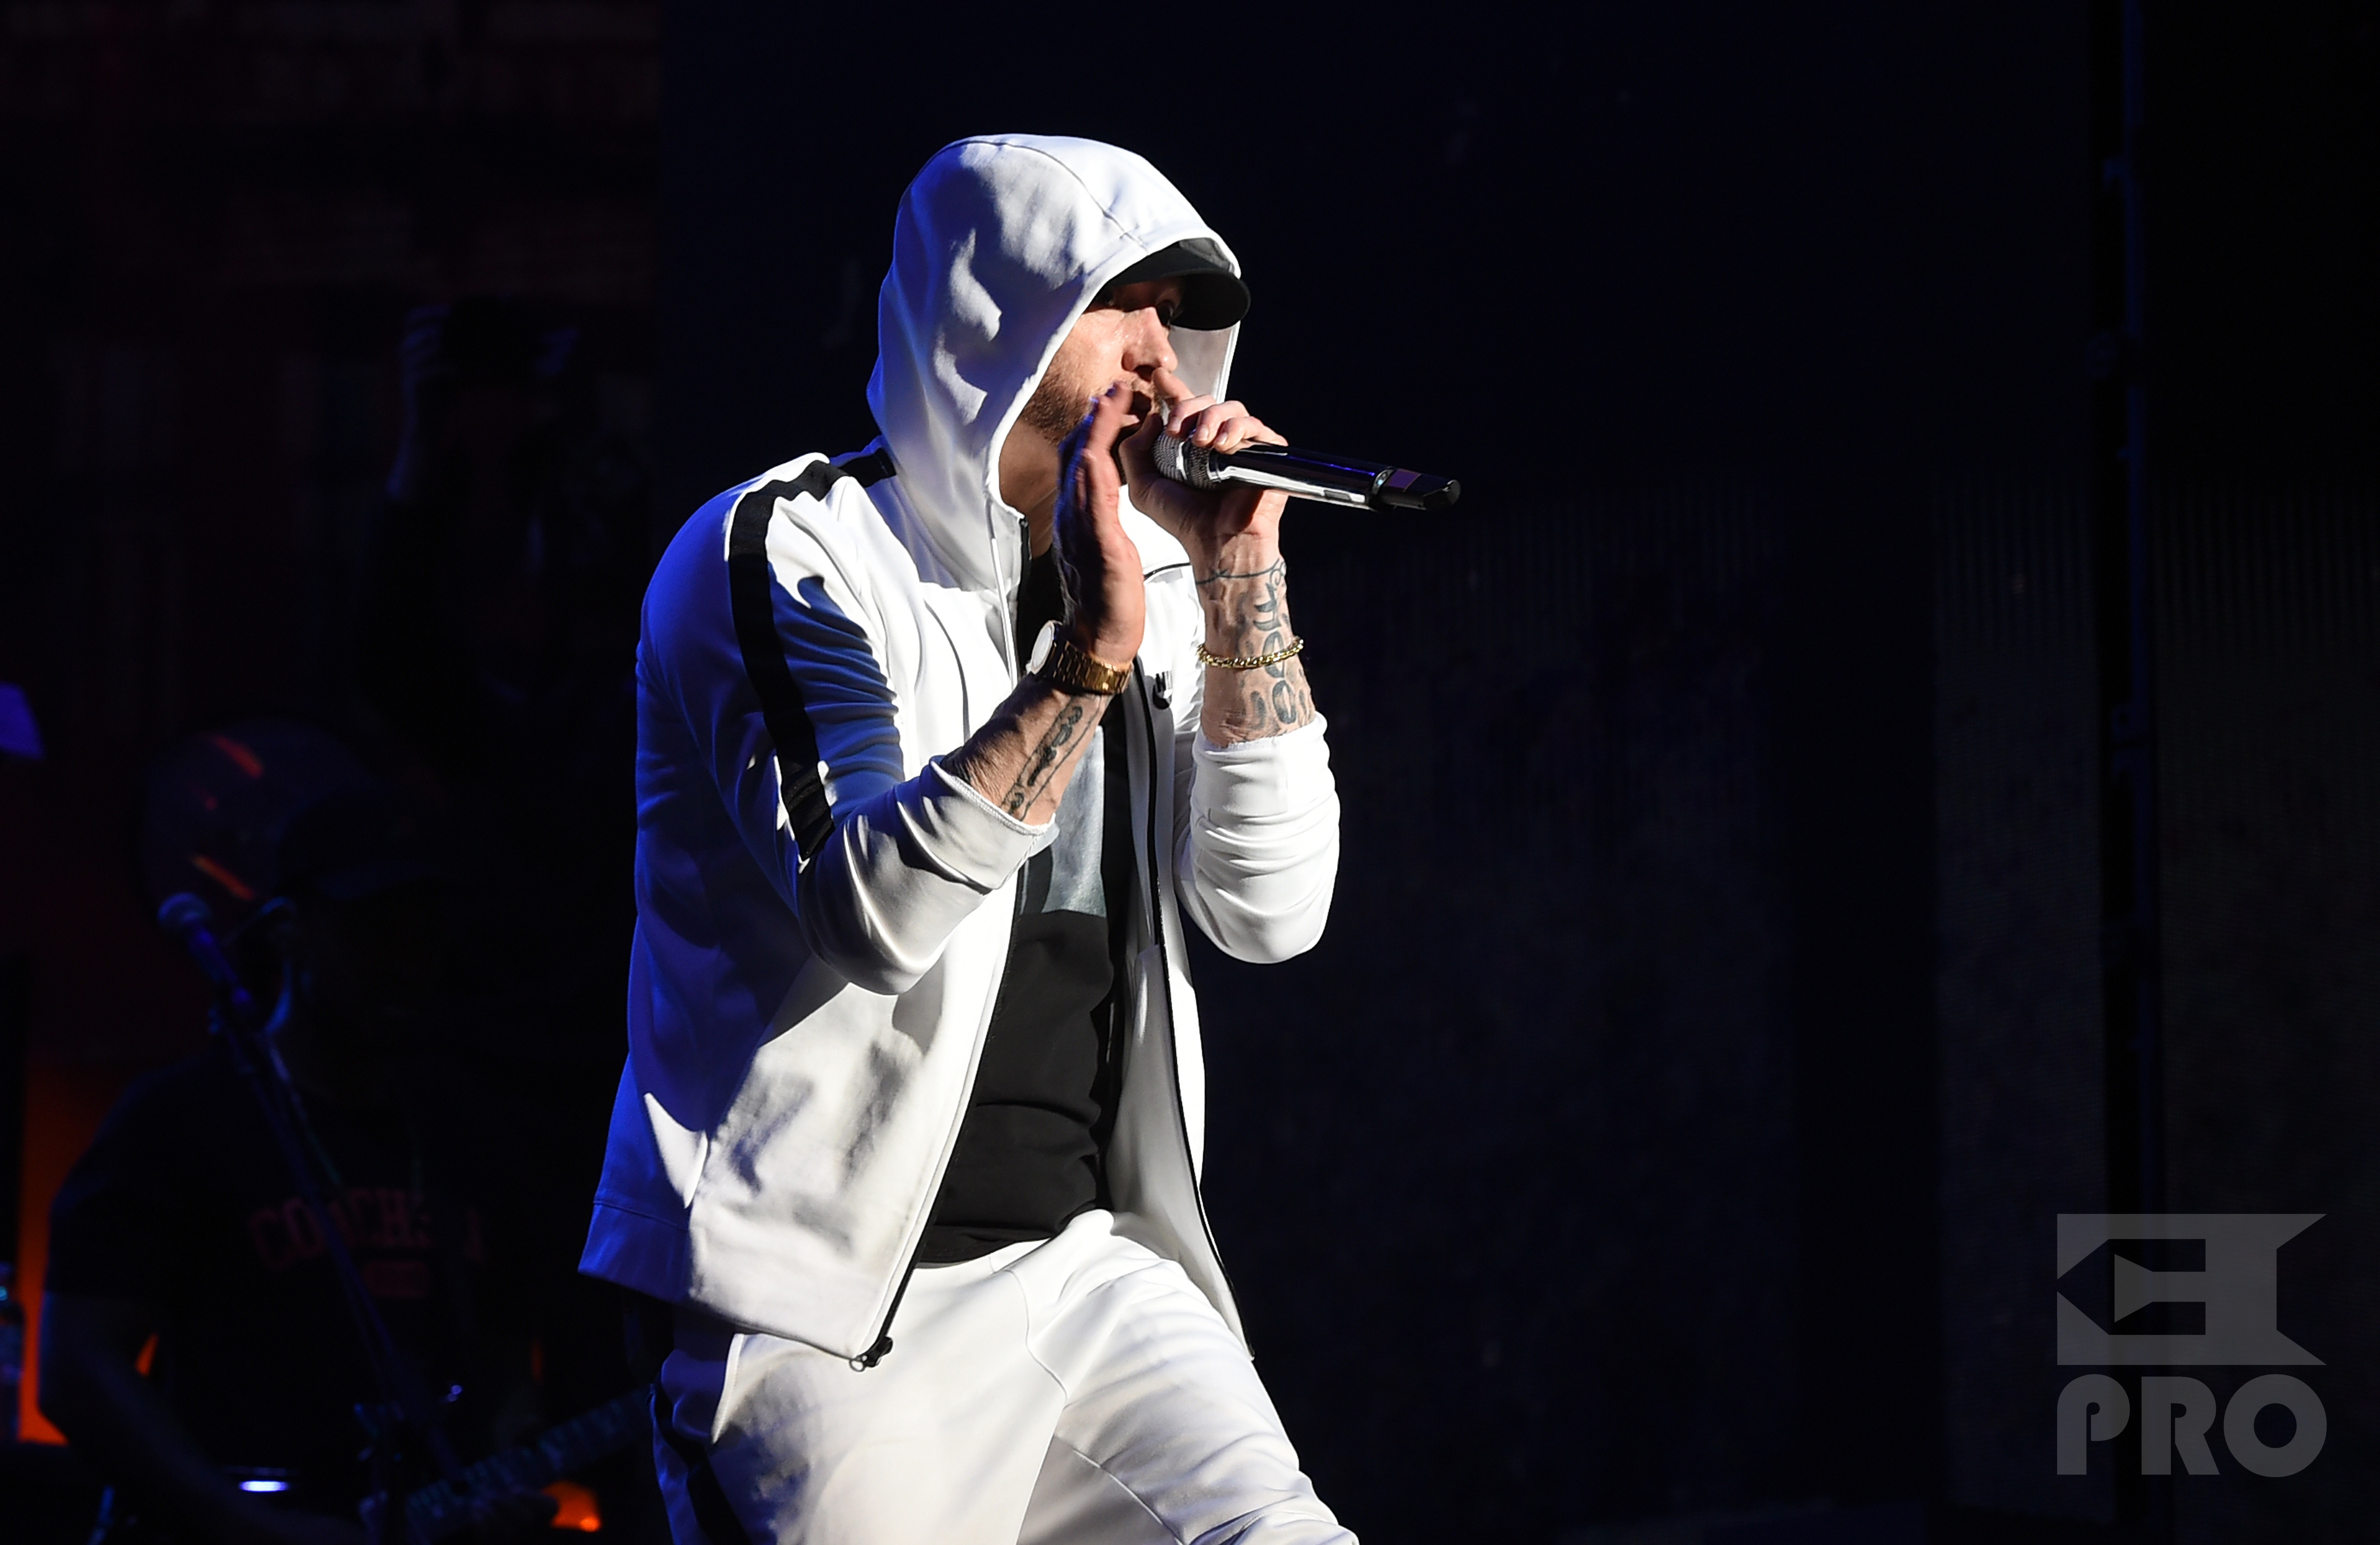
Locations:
(877, 1353)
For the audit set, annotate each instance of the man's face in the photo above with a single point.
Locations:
(1124, 333)
(373, 965)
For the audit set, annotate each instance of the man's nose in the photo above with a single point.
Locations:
(1152, 345)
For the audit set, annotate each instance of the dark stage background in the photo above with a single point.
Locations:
(1665, 1143)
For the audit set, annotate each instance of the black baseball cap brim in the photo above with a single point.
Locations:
(1213, 297)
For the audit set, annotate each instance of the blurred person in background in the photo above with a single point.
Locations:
(183, 1226)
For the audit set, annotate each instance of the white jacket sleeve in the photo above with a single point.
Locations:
(903, 868)
(909, 858)
(1257, 838)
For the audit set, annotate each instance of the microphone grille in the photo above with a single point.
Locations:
(1184, 463)
(183, 912)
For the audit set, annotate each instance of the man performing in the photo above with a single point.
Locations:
(935, 747)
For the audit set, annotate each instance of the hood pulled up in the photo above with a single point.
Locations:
(1000, 243)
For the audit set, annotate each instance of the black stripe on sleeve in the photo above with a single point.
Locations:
(749, 590)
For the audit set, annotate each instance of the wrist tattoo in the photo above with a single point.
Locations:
(1279, 566)
(1248, 613)
(1041, 763)
(1248, 620)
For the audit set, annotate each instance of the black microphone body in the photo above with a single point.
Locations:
(190, 920)
(1344, 480)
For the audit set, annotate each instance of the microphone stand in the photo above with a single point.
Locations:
(406, 1407)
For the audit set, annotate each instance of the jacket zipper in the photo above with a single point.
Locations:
(882, 1346)
(1165, 984)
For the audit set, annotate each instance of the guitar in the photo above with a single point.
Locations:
(444, 1507)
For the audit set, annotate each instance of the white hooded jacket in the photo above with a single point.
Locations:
(803, 1035)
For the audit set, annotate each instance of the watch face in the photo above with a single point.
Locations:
(1042, 645)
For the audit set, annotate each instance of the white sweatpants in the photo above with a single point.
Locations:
(1079, 1390)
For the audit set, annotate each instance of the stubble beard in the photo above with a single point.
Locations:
(1054, 408)
(1062, 397)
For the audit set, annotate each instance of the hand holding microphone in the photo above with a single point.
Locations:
(1240, 459)
(1344, 480)
(1217, 479)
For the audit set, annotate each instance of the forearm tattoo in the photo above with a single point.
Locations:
(1041, 763)
(1247, 613)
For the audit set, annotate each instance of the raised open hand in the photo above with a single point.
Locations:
(1106, 606)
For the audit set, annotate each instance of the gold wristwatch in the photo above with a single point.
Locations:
(1057, 662)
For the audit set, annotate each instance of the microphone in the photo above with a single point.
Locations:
(190, 920)
(1344, 480)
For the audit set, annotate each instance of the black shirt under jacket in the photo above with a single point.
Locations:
(1031, 1150)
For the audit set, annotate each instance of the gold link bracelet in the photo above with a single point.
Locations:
(1254, 662)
